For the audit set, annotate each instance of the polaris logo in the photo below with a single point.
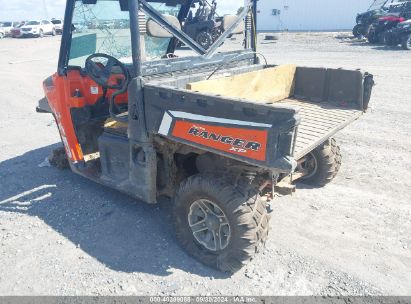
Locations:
(238, 145)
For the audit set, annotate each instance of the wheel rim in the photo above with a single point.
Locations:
(409, 42)
(309, 165)
(209, 225)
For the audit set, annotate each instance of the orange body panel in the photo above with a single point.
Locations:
(244, 142)
(61, 94)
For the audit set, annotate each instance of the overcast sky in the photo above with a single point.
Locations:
(17, 10)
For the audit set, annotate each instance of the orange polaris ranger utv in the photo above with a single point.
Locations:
(215, 130)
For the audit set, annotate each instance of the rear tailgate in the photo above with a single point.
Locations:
(328, 100)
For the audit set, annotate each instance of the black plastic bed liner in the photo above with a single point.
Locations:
(319, 121)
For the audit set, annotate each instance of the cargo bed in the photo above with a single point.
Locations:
(327, 100)
(323, 101)
(319, 121)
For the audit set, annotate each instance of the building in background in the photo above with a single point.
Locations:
(312, 15)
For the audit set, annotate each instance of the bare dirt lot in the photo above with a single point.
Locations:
(63, 235)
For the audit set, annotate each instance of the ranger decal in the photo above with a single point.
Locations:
(240, 141)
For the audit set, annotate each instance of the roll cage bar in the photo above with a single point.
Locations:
(133, 6)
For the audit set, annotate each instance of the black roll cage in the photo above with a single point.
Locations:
(133, 7)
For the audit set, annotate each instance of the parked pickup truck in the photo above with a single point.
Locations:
(219, 132)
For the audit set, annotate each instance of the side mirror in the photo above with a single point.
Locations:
(157, 31)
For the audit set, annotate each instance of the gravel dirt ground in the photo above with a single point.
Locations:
(61, 234)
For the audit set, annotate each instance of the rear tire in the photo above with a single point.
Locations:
(324, 164)
(406, 42)
(58, 158)
(1, 35)
(242, 217)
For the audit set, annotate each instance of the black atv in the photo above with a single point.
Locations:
(400, 35)
(378, 9)
(381, 26)
(204, 27)
(365, 20)
(396, 15)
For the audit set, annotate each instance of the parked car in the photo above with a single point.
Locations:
(58, 25)
(7, 26)
(16, 31)
(37, 28)
(400, 35)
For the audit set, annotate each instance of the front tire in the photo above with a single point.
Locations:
(58, 159)
(218, 223)
(322, 164)
(41, 34)
(358, 31)
(406, 42)
(53, 32)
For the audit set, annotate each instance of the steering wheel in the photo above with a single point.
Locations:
(101, 70)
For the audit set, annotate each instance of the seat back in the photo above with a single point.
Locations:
(157, 31)
(229, 20)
